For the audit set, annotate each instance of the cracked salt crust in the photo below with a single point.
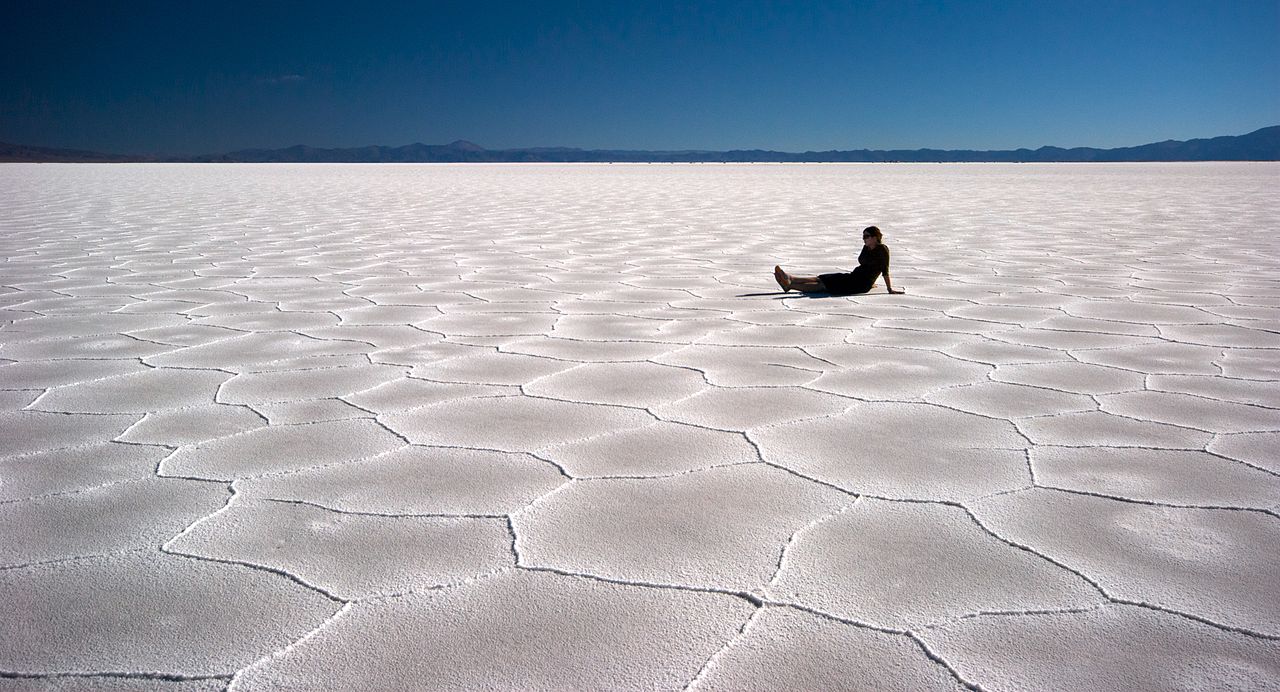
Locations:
(553, 426)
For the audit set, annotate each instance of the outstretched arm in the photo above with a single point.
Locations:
(889, 284)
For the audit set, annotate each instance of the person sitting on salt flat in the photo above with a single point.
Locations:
(873, 262)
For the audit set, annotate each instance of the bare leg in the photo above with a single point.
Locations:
(808, 284)
(804, 284)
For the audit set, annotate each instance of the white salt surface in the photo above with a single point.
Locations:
(380, 427)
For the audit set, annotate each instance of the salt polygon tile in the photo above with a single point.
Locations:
(1078, 378)
(718, 528)
(1067, 340)
(185, 335)
(747, 366)
(348, 360)
(234, 308)
(45, 374)
(606, 328)
(1214, 563)
(275, 321)
(1000, 353)
(1141, 313)
(1001, 400)
(191, 425)
(1253, 364)
(150, 390)
(910, 451)
(1161, 358)
(1223, 335)
(109, 518)
(202, 618)
(938, 324)
(519, 630)
(310, 411)
(26, 309)
(744, 408)
(587, 351)
(1193, 412)
(101, 324)
(419, 480)
(386, 314)
(1240, 391)
(65, 470)
(490, 324)
(785, 649)
(1125, 647)
(425, 354)
(906, 565)
(1163, 476)
(777, 335)
(491, 368)
(264, 347)
(12, 400)
(407, 393)
(156, 307)
(280, 448)
(869, 372)
(1095, 428)
(1257, 449)
(902, 337)
(25, 432)
(514, 423)
(349, 555)
(388, 336)
(653, 450)
(295, 385)
(1007, 314)
(623, 384)
(115, 346)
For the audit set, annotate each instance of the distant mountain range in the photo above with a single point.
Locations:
(1259, 145)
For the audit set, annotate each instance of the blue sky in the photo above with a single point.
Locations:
(199, 77)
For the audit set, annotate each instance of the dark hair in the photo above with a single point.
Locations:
(872, 230)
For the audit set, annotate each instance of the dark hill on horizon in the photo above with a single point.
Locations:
(1259, 145)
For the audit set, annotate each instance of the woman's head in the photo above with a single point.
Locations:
(871, 236)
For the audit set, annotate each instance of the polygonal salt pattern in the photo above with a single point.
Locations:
(576, 634)
(721, 528)
(192, 425)
(853, 566)
(623, 384)
(351, 555)
(419, 480)
(202, 618)
(1255, 449)
(281, 448)
(878, 373)
(1156, 475)
(1193, 412)
(653, 450)
(1213, 563)
(947, 455)
(103, 519)
(1117, 647)
(76, 468)
(784, 648)
(294, 385)
(517, 424)
(445, 396)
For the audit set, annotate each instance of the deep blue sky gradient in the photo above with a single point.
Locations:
(199, 77)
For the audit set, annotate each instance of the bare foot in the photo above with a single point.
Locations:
(782, 278)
